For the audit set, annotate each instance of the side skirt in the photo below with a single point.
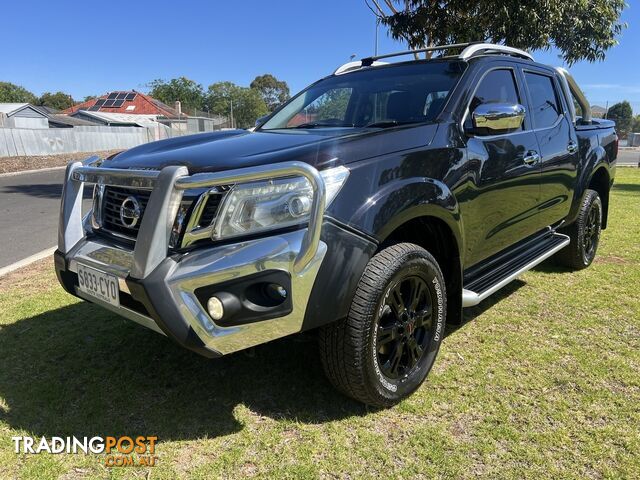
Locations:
(497, 272)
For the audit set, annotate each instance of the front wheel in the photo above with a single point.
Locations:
(584, 234)
(384, 349)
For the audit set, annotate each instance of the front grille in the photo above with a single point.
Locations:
(111, 204)
(210, 210)
(113, 198)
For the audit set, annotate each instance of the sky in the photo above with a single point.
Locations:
(92, 47)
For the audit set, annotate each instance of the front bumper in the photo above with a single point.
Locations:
(164, 292)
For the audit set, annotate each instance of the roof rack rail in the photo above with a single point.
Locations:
(368, 61)
(470, 50)
(484, 48)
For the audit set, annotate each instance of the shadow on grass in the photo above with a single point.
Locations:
(80, 370)
(472, 312)
(627, 187)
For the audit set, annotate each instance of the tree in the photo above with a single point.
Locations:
(11, 93)
(581, 30)
(90, 97)
(58, 100)
(274, 92)
(622, 114)
(247, 103)
(188, 92)
(636, 124)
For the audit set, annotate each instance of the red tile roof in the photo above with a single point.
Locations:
(141, 104)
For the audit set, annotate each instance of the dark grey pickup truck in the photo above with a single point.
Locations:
(373, 206)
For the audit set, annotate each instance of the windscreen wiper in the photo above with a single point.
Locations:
(387, 124)
(322, 125)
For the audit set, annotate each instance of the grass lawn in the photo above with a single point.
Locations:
(542, 381)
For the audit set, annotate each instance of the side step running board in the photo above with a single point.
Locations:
(492, 281)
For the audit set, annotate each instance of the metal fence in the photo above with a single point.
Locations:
(50, 141)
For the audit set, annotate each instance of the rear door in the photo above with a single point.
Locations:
(557, 142)
(504, 188)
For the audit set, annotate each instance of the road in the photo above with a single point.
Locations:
(628, 157)
(29, 207)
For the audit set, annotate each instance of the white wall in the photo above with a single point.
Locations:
(27, 122)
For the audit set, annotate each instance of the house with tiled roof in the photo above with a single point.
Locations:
(129, 103)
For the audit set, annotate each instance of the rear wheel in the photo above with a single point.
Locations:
(584, 234)
(387, 345)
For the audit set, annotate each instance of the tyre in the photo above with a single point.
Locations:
(384, 349)
(584, 234)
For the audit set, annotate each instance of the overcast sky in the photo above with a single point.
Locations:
(92, 47)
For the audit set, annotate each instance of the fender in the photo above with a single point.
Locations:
(596, 159)
(403, 200)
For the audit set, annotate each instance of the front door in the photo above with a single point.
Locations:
(503, 190)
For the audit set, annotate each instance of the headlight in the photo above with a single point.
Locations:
(256, 207)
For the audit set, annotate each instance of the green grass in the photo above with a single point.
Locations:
(542, 381)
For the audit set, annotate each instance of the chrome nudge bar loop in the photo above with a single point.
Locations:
(116, 177)
(168, 186)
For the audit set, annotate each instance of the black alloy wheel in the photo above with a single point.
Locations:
(591, 233)
(404, 327)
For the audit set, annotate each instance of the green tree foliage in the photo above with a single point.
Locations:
(622, 114)
(11, 93)
(189, 93)
(580, 29)
(247, 103)
(636, 124)
(58, 100)
(89, 97)
(274, 92)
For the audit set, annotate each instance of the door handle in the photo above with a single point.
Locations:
(531, 158)
(572, 147)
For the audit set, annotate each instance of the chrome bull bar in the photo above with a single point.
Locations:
(168, 185)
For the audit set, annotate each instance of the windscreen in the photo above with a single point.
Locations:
(372, 97)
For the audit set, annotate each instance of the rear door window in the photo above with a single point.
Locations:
(545, 105)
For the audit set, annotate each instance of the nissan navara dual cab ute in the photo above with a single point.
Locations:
(373, 206)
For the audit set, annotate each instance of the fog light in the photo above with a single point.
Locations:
(216, 310)
(276, 292)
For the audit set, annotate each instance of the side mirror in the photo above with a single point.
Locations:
(260, 120)
(496, 118)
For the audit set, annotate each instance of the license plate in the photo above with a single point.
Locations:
(100, 285)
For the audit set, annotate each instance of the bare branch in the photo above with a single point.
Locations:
(391, 6)
(380, 12)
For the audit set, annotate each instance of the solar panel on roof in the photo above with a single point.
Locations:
(112, 96)
(118, 103)
(99, 102)
(108, 103)
(95, 108)
(122, 95)
(130, 96)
